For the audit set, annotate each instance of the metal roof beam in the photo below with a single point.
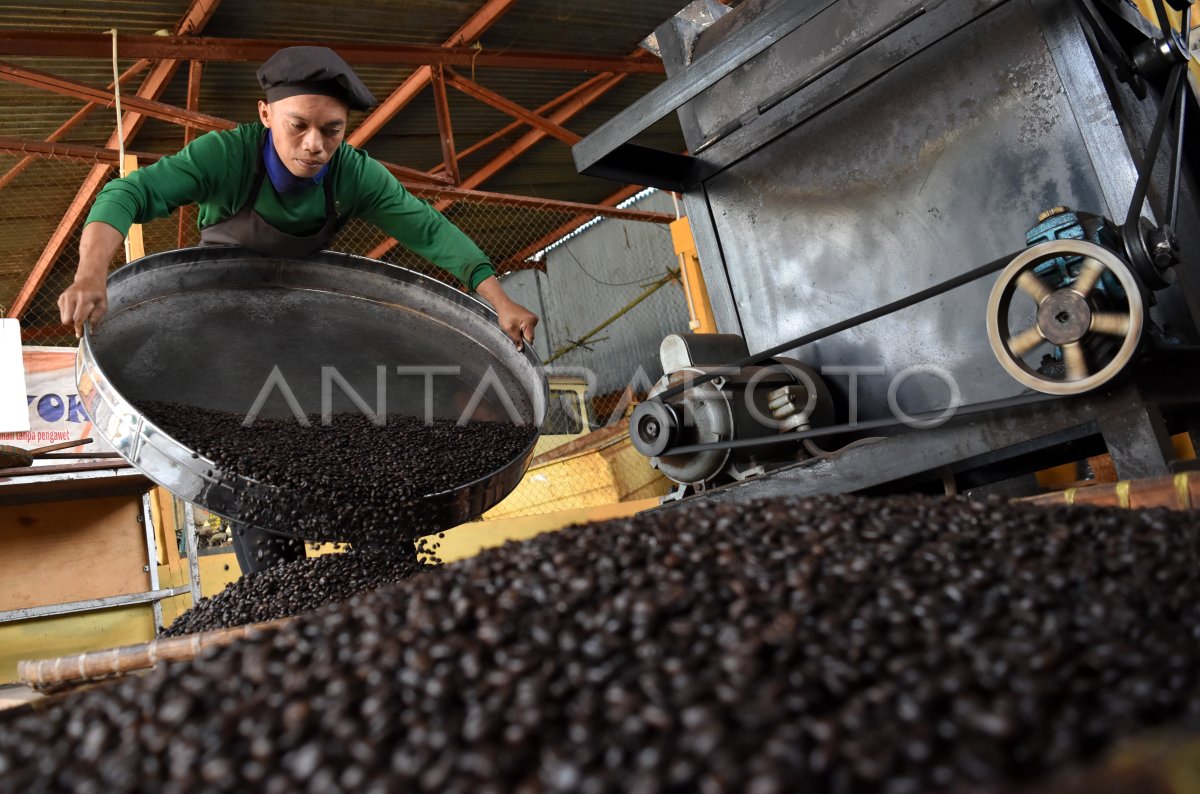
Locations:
(529, 139)
(599, 88)
(445, 130)
(546, 108)
(46, 44)
(505, 105)
(107, 156)
(194, 19)
(70, 124)
(470, 31)
(140, 104)
(69, 151)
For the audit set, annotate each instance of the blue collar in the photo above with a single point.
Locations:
(283, 179)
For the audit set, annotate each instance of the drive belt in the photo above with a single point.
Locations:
(829, 330)
(923, 420)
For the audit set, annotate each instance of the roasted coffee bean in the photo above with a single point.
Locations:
(351, 480)
(295, 588)
(827, 644)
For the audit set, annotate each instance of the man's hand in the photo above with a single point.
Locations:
(85, 301)
(518, 322)
(515, 320)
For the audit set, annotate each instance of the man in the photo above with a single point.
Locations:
(284, 188)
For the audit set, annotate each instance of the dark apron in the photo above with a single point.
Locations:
(247, 228)
(257, 549)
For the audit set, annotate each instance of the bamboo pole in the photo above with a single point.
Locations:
(98, 665)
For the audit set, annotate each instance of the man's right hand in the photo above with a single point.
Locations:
(85, 301)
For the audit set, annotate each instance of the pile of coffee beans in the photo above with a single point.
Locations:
(350, 480)
(295, 588)
(816, 644)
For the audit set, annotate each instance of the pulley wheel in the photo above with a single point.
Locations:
(1097, 334)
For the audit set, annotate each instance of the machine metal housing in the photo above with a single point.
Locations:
(847, 153)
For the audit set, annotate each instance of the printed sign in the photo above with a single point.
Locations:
(51, 405)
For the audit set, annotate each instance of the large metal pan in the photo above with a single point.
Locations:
(208, 326)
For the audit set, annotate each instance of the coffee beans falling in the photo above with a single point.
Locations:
(817, 645)
(352, 480)
(295, 588)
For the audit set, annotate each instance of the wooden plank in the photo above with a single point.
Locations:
(54, 552)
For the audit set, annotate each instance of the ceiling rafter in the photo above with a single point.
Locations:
(445, 129)
(138, 103)
(468, 33)
(514, 126)
(161, 110)
(95, 154)
(505, 105)
(44, 44)
(434, 58)
(194, 19)
(76, 119)
(568, 110)
(560, 116)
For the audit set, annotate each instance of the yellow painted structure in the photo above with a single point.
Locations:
(61, 635)
(598, 469)
(76, 549)
(135, 248)
(1067, 475)
(694, 288)
(568, 402)
(467, 540)
(217, 571)
(85, 548)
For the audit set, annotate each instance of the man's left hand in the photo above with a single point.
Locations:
(515, 320)
(518, 322)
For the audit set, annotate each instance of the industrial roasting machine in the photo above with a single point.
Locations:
(949, 243)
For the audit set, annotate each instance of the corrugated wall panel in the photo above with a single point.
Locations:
(592, 276)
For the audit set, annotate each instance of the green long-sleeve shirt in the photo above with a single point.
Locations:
(216, 173)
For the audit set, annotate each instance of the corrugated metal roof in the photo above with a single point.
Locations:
(131, 16)
(230, 90)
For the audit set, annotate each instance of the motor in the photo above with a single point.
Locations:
(781, 396)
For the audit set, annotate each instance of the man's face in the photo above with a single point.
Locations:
(306, 129)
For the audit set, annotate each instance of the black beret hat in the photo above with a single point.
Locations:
(313, 70)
